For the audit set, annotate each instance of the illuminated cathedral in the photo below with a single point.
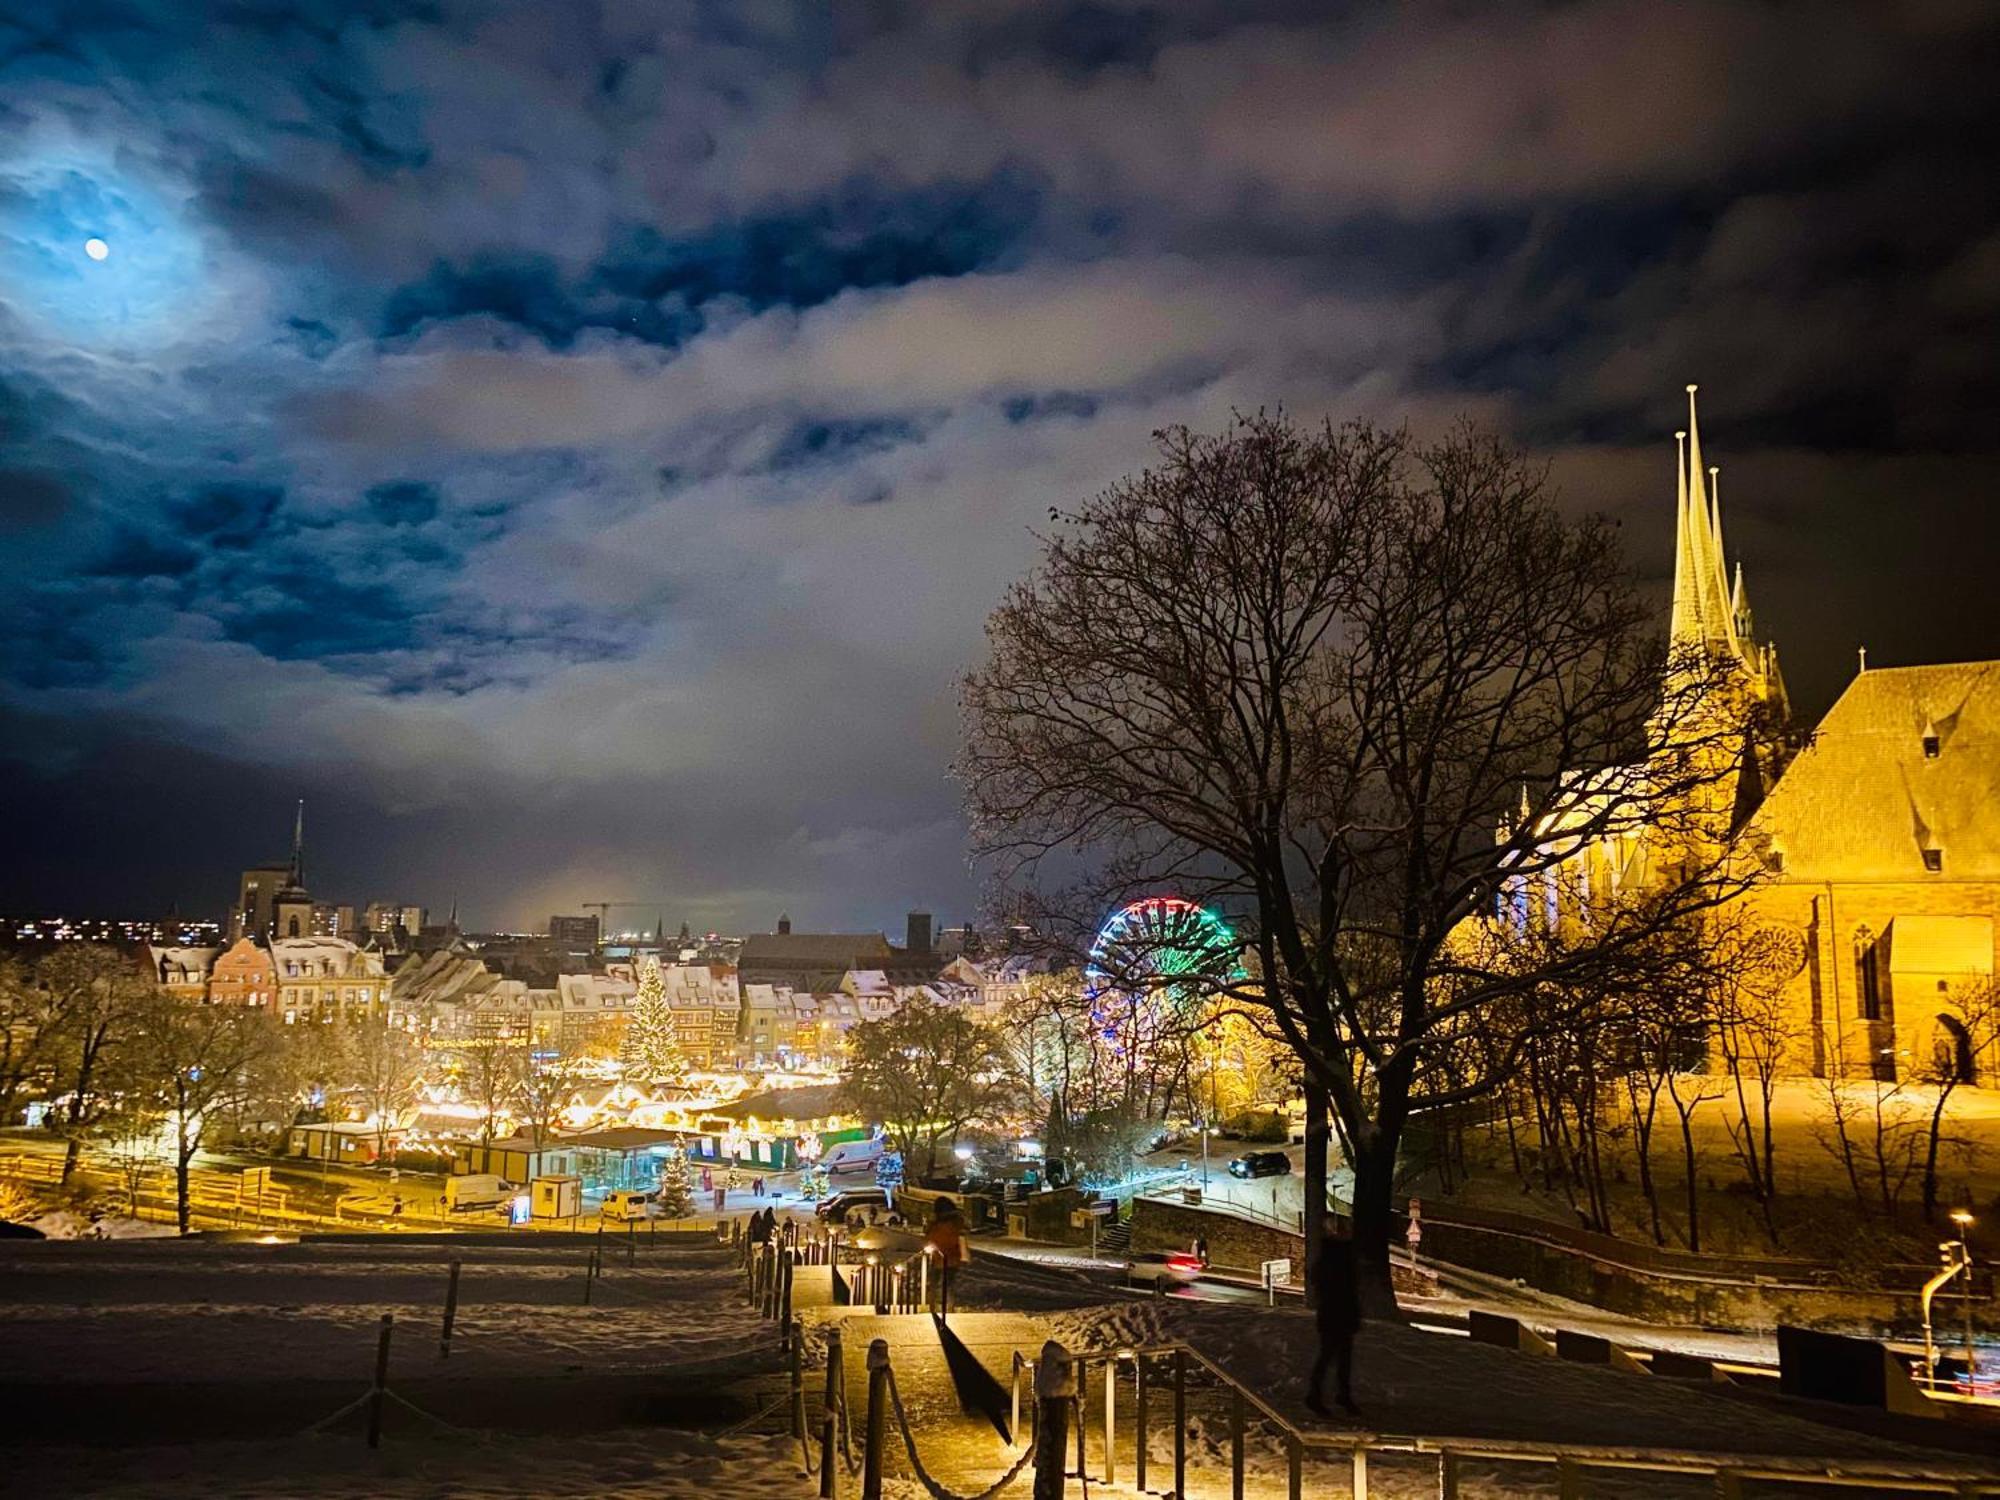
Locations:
(1877, 844)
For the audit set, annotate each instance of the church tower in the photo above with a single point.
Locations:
(1710, 645)
(291, 908)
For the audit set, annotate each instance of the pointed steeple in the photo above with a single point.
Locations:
(298, 873)
(1702, 616)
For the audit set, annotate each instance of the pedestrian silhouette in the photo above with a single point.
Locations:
(1337, 1309)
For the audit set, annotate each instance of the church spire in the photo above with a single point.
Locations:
(298, 875)
(1702, 617)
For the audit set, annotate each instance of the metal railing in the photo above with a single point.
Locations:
(1728, 1472)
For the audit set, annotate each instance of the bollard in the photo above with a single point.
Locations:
(1236, 1442)
(1295, 1468)
(1139, 1421)
(1110, 1419)
(1180, 1422)
(785, 1287)
(798, 1375)
(631, 1244)
(381, 1382)
(878, 1421)
(450, 1313)
(1055, 1393)
(1358, 1482)
(589, 1276)
(831, 1402)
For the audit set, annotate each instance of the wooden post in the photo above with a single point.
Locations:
(1139, 1420)
(1055, 1391)
(450, 1313)
(381, 1381)
(798, 1375)
(589, 1276)
(1728, 1486)
(1110, 1418)
(1359, 1483)
(1569, 1479)
(1180, 1424)
(1082, 1418)
(1236, 1442)
(631, 1244)
(1448, 1477)
(831, 1401)
(788, 1330)
(1014, 1405)
(878, 1420)
(1295, 1468)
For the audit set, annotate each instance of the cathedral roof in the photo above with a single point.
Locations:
(1908, 759)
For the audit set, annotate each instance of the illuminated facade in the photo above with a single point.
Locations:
(1876, 848)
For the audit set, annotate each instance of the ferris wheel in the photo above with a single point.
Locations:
(1162, 949)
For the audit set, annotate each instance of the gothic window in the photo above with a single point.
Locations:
(1934, 860)
(1868, 975)
(1931, 747)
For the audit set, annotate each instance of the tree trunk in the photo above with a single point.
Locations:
(1688, 1167)
(1374, 1216)
(1317, 1134)
(1931, 1153)
(183, 1154)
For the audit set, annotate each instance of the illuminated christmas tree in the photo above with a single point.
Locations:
(676, 1187)
(651, 1053)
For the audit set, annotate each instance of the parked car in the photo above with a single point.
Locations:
(1261, 1164)
(839, 1205)
(623, 1204)
(1149, 1267)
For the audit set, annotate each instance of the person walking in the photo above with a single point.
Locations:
(1337, 1309)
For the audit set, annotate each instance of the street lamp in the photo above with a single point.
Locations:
(1962, 1217)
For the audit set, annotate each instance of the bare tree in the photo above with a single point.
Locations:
(546, 1084)
(489, 1079)
(199, 1059)
(1746, 973)
(97, 999)
(1306, 675)
(386, 1067)
(925, 1073)
(30, 1029)
(1966, 1038)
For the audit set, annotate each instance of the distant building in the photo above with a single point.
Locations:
(324, 979)
(575, 934)
(181, 972)
(254, 896)
(809, 961)
(244, 975)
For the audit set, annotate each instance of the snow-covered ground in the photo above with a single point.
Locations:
(624, 1465)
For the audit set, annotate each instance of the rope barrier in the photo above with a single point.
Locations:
(938, 1491)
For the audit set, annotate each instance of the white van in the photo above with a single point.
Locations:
(851, 1156)
(622, 1204)
(475, 1190)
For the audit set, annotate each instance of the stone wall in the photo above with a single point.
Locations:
(1233, 1244)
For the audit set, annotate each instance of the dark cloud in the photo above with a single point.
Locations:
(576, 444)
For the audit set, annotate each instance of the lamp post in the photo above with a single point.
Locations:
(1962, 1217)
(1204, 1158)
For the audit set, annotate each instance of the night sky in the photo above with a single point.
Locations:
(575, 446)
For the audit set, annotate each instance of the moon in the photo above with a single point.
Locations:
(95, 248)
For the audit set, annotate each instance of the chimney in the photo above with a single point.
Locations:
(784, 926)
(917, 937)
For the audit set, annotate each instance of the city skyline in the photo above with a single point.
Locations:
(579, 491)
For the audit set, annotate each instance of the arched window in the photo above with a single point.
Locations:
(1868, 974)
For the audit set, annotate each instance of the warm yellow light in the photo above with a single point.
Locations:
(1962, 1217)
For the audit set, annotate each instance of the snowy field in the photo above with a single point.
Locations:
(205, 1369)
(623, 1465)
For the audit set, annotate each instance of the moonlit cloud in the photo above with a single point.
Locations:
(576, 444)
